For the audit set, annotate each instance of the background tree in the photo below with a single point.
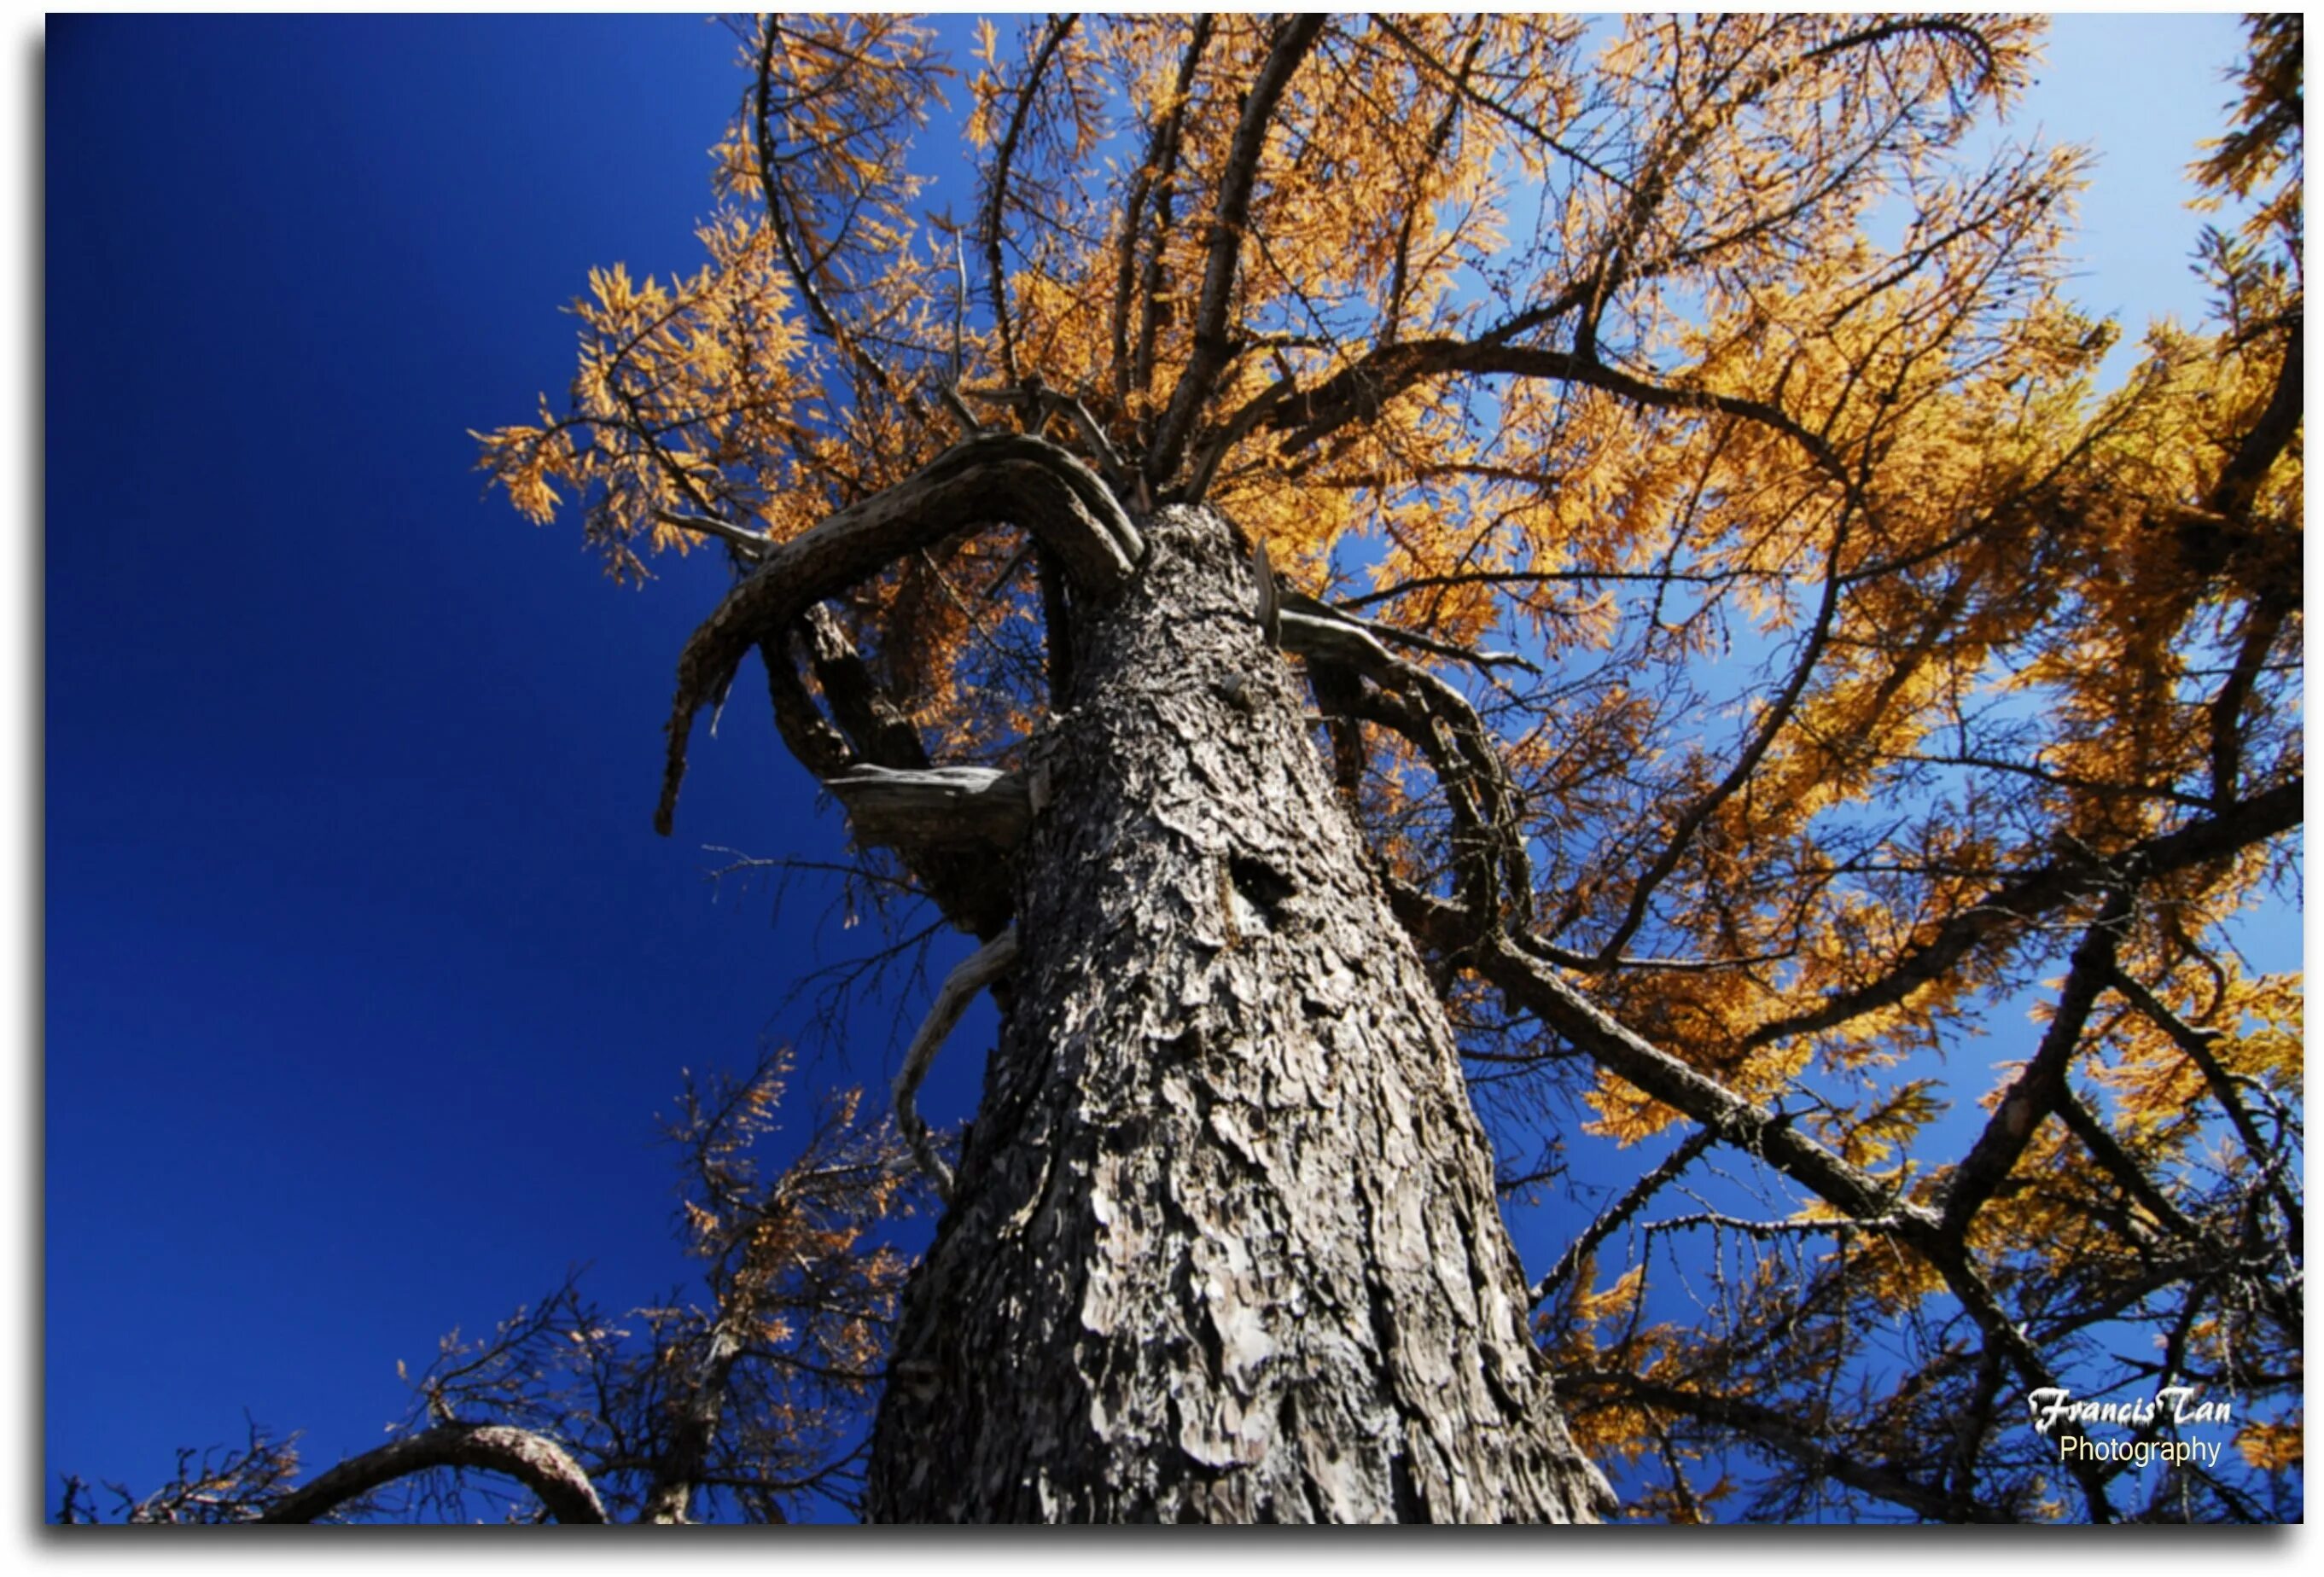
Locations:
(738, 1403)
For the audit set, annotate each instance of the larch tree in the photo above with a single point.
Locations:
(1129, 556)
(1427, 585)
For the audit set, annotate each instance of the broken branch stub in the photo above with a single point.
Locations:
(942, 807)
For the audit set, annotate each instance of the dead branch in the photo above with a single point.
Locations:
(1000, 477)
(536, 1461)
(1610, 1219)
(971, 975)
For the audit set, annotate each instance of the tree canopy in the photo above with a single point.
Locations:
(1763, 662)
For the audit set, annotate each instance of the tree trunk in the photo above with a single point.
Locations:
(1224, 1244)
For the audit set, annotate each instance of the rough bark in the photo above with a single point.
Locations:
(1224, 1244)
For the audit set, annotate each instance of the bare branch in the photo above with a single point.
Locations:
(1610, 1219)
(538, 1464)
(993, 476)
(753, 544)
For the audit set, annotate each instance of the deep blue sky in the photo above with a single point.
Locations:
(364, 972)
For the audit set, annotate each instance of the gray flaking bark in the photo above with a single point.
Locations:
(1224, 1244)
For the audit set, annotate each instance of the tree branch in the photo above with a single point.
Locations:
(1777, 1432)
(1771, 723)
(1489, 843)
(997, 196)
(800, 268)
(2041, 1085)
(1236, 180)
(2239, 480)
(2034, 893)
(1359, 392)
(538, 1464)
(1610, 1220)
(1153, 177)
(979, 970)
(2197, 1044)
(1770, 1137)
(754, 544)
(994, 476)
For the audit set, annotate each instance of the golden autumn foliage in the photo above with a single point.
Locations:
(1898, 728)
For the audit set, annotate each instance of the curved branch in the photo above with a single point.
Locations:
(1359, 392)
(1000, 477)
(534, 1461)
(866, 729)
(799, 269)
(1489, 843)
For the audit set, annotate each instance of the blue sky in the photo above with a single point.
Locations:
(364, 973)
